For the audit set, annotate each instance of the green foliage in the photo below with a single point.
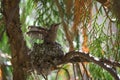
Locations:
(4, 46)
(103, 35)
(98, 73)
(47, 13)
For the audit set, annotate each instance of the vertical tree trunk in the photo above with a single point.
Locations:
(16, 40)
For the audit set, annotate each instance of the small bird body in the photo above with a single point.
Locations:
(45, 56)
(47, 35)
(52, 34)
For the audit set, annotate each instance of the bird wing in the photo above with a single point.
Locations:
(37, 32)
(36, 28)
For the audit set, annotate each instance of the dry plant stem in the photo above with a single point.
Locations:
(92, 59)
(67, 73)
(63, 69)
(111, 40)
(102, 1)
(65, 26)
(79, 70)
(107, 14)
(110, 26)
(57, 74)
(74, 70)
(77, 16)
(86, 71)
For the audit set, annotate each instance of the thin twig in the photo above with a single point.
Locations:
(74, 70)
(107, 14)
(63, 69)
(79, 70)
(85, 70)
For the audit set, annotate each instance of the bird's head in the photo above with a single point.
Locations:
(54, 27)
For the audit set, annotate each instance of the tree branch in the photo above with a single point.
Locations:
(76, 56)
(17, 43)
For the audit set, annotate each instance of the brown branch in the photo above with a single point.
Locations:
(111, 63)
(16, 40)
(65, 26)
(1, 34)
(71, 56)
(102, 1)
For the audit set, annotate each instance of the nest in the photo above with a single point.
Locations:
(116, 8)
(45, 57)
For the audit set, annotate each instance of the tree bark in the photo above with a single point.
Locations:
(16, 40)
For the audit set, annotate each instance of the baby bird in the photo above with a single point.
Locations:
(47, 35)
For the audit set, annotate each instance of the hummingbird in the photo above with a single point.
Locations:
(47, 35)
